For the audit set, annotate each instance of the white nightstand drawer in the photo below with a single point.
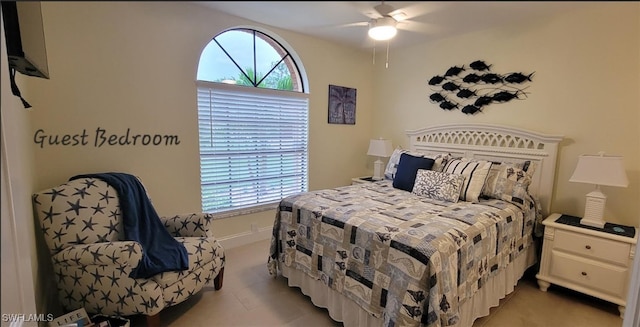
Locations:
(593, 247)
(594, 275)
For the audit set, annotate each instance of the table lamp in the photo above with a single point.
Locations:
(598, 169)
(380, 148)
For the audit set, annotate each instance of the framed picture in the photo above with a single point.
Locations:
(342, 105)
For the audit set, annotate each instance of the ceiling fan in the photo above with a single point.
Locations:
(384, 28)
(384, 25)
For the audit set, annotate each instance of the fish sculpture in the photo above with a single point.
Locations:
(454, 71)
(450, 86)
(471, 78)
(505, 96)
(435, 80)
(468, 88)
(466, 93)
(448, 105)
(483, 101)
(491, 78)
(479, 65)
(437, 97)
(470, 109)
(518, 78)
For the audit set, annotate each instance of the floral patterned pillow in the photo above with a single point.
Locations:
(438, 185)
(511, 184)
(502, 169)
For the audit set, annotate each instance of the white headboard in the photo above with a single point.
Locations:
(495, 143)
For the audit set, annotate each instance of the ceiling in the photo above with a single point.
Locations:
(346, 22)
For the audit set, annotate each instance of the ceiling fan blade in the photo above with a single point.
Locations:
(415, 9)
(398, 15)
(347, 25)
(414, 26)
(356, 24)
(384, 9)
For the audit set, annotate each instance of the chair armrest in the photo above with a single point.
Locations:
(122, 253)
(189, 225)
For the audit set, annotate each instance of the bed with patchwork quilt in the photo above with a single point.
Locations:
(438, 250)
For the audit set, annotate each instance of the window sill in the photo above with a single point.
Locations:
(245, 211)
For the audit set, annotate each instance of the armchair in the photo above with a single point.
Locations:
(94, 263)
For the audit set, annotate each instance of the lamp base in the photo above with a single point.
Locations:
(594, 209)
(377, 170)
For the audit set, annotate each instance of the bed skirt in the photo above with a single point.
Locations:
(351, 315)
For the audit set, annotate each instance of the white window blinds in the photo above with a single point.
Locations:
(253, 145)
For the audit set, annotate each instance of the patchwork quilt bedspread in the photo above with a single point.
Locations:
(408, 259)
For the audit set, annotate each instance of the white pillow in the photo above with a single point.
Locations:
(438, 185)
(475, 173)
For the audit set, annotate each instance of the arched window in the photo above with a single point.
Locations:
(253, 123)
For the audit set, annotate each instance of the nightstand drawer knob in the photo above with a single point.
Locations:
(584, 273)
(588, 247)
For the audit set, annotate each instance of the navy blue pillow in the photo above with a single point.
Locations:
(408, 169)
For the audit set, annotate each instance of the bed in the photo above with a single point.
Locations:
(439, 251)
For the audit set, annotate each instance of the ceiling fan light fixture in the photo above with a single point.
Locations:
(382, 29)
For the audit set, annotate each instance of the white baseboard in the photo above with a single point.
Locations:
(244, 238)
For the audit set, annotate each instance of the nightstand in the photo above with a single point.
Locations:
(361, 180)
(590, 260)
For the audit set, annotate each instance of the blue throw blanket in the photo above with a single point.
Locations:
(161, 252)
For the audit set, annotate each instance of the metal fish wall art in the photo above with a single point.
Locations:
(474, 86)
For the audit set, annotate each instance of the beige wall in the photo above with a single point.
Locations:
(586, 87)
(119, 65)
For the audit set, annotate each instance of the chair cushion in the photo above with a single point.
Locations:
(201, 250)
(81, 211)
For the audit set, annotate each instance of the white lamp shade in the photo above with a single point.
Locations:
(600, 170)
(380, 148)
(382, 29)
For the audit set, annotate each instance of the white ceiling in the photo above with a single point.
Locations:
(346, 21)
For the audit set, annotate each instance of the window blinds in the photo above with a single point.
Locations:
(253, 145)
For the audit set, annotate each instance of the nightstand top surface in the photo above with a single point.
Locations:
(615, 231)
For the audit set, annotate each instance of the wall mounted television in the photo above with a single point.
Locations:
(24, 34)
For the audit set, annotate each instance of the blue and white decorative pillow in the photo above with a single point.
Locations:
(408, 168)
(438, 185)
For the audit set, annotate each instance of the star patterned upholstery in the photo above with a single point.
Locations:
(81, 222)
